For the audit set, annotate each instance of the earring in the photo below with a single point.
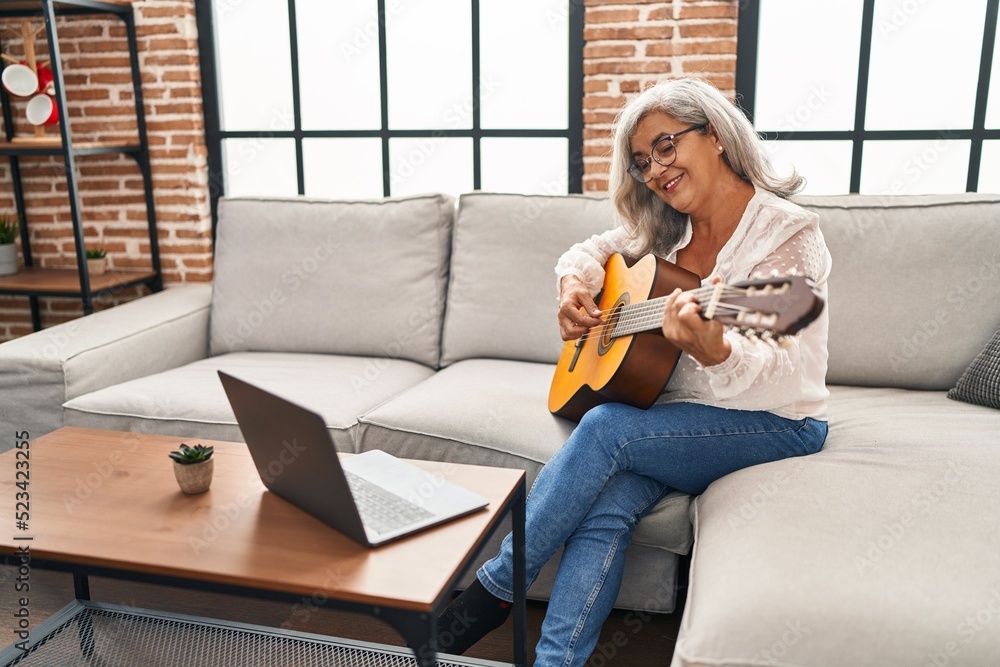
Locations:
(720, 148)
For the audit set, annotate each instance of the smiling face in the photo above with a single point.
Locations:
(689, 183)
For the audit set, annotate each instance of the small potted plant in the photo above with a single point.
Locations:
(8, 249)
(97, 261)
(193, 467)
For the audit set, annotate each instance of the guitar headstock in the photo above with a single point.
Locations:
(780, 305)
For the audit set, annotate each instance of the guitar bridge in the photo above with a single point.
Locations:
(576, 354)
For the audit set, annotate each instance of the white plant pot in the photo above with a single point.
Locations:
(97, 267)
(8, 259)
(195, 477)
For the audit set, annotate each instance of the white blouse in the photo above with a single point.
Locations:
(788, 380)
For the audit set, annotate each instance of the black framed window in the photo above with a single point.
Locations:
(374, 98)
(875, 96)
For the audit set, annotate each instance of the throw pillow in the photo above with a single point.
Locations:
(980, 383)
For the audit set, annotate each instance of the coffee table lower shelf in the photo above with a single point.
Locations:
(85, 633)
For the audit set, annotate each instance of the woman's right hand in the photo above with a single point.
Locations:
(577, 310)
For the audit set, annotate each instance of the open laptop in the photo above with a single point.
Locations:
(372, 498)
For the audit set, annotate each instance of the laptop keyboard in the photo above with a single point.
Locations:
(381, 510)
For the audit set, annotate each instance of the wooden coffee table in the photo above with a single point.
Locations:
(105, 503)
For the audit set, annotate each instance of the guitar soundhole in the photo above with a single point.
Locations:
(607, 338)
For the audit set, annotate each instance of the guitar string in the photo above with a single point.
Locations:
(648, 322)
(646, 313)
(656, 310)
(652, 304)
(698, 293)
(644, 316)
(652, 307)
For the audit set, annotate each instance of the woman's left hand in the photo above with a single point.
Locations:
(684, 326)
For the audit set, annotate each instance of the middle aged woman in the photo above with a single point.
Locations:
(692, 184)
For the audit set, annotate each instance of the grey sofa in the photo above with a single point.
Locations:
(426, 327)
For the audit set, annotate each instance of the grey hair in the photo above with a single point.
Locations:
(655, 226)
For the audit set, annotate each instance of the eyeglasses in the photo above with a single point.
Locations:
(664, 152)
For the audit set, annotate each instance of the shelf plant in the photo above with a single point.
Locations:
(97, 261)
(8, 249)
(193, 467)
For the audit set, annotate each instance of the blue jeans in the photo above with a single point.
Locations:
(618, 463)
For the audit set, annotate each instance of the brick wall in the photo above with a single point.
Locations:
(630, 45)
(99, 90)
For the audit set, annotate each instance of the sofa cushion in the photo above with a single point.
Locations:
(980, 383)
(40, 371)
(189, 401)
(492, 412)
(357, 277)
(874, 551)
(502, 288)
(902, 312)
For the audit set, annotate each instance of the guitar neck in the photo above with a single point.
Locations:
(771, 306)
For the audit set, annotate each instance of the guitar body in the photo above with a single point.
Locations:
(631, 369)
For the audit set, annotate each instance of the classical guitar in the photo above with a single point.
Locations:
(626, 359)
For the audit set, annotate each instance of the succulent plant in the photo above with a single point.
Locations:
(96, 253)
(8, 229)
(190, 455)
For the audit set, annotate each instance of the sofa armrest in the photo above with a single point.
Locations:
(41, 371)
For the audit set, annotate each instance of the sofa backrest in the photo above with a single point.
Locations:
(339, 277)
(502, 293)
(915, 286)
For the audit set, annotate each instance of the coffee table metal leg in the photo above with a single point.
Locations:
(520, 607)
(81, 586)
(417, 629)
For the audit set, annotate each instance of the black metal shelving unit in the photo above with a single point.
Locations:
(35, 282)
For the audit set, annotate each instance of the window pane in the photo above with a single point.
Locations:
(800, 85)
(262, 167)
(915, 167)
(343, 168)
(338, 64)
(993, 101)
(826, 165)
(431, 164)
(524, 87)
(255, 71)
(429, 60)
(925, 64)
(528, 166)
(989, 168)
